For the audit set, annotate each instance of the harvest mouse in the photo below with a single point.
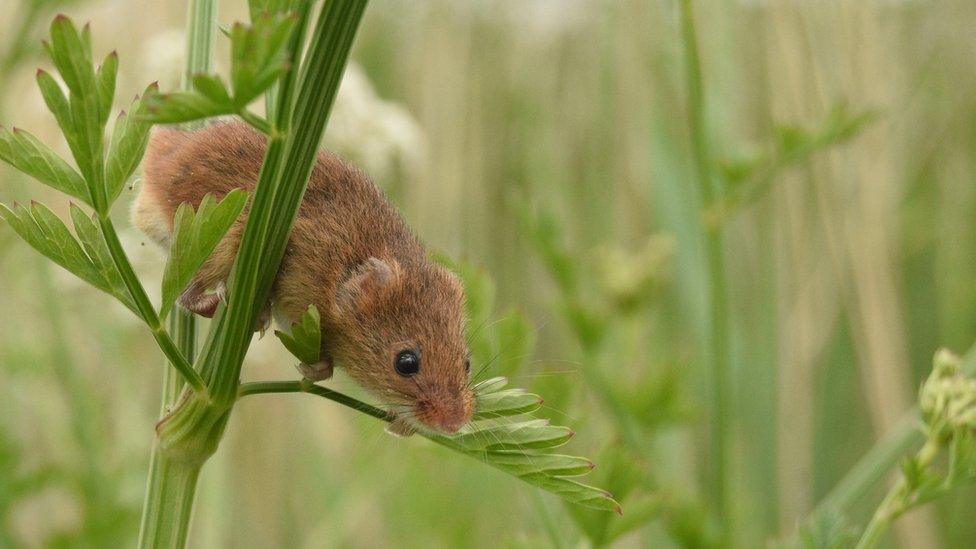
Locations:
(392, 318)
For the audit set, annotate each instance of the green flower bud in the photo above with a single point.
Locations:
(948, 397)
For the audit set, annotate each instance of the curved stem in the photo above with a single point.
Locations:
(719, 338)
(897, 501)
(170, 488)
(146, 310)
(306, 386)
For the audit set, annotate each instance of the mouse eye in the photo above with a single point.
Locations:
(407, 363)
(467, 365)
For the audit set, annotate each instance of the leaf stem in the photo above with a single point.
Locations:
(896, 502)
(146, 310)
(258, 123)
(306, 386)
(719, 337)
(170, 486)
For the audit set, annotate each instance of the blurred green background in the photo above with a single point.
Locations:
(545, 143)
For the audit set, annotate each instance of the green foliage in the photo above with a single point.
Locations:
(519, 447)
(47, 234)
(25, 152)
(129, 139)
(947, 401)
(305, 339)
(751, 174)
(258, 57)
(505, 403)
(626, 475)
(195, 235)
(501, 344)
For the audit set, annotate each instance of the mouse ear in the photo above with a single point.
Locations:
(366, 283)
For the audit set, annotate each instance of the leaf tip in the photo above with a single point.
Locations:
(61, 18)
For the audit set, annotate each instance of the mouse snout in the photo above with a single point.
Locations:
(447, 414)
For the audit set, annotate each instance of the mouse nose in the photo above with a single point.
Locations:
(451, 425)
(446, 416)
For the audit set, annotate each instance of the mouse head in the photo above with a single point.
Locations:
(401, 335)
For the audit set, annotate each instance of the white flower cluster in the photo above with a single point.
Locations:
(948, 396)
(380, 136)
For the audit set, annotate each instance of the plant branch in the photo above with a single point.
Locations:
(719, 338)
(146, 310)
(170, 487)
(894, 503)
(306, 386)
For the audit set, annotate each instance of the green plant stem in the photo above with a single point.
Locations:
(168, 506)
(896, 501)
(170, 487)
(719, 340)
(307, 386)
(146, 310)
(189, 434)
(256, 122)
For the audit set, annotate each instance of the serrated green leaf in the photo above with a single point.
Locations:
(47, 234)
(195, 235)
(84, 127)
(25, 152)
(258, 55)
(105, 81)
(177, 107)
(129, 139)
(71, 54)
(212, 87)
(93, 241)
(576, 492)
(55, 99)
(505, 403)
(553, 465)
(490, 385)
(525, 435)
(305, 339)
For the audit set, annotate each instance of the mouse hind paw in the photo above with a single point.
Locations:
(197, 300)
(319, 371)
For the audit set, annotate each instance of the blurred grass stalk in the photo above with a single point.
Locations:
(720, 426)
(201, 23)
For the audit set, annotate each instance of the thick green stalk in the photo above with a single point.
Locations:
(190, 433)
(718, 338)
(168, 506)
(170, 487)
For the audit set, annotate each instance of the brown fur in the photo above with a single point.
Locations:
(350, 254)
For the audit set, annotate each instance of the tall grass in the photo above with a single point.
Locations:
(835, 259)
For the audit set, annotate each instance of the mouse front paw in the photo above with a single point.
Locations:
(319, 371)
